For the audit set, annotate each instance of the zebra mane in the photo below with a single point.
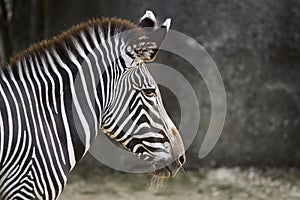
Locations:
(63, 40)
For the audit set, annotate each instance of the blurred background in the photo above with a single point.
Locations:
(255, 45)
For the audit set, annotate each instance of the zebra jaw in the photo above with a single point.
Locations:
(160, 168)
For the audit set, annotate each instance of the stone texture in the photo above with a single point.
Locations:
(255, 44)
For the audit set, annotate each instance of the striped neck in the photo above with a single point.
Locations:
(74, 76)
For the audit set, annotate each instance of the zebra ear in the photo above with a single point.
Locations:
(146, 47)
(148, 20)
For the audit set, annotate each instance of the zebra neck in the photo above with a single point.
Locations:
(69, 85)
(88, 77)
(82, 91)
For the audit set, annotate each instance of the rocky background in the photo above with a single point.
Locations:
(255, 44)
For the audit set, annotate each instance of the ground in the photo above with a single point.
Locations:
(219, 184)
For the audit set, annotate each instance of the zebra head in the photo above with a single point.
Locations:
(135, 116)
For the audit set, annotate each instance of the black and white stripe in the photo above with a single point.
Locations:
(55, 97)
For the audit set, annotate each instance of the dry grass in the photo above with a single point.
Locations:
(219, 184)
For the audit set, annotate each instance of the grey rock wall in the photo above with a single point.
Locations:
(254, 43)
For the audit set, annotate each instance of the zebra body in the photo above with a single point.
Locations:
(55, 97)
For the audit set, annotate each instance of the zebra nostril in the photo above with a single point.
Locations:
(181, 159)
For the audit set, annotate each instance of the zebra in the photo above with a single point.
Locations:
(47, 122)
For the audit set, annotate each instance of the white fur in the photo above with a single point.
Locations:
(149, 14)
(167, 23)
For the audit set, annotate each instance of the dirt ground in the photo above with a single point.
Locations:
(219, 184)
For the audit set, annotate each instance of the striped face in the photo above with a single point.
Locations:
(139, 121)
(136, 117)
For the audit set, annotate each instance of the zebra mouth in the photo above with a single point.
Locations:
(164, 172)
(168, 171)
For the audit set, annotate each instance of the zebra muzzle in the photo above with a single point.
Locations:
(163, 169)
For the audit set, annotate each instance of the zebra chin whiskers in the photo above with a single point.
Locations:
(157, 182)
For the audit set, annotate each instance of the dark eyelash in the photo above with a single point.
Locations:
(149, 92)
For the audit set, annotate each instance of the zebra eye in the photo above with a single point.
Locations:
(149, 92)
